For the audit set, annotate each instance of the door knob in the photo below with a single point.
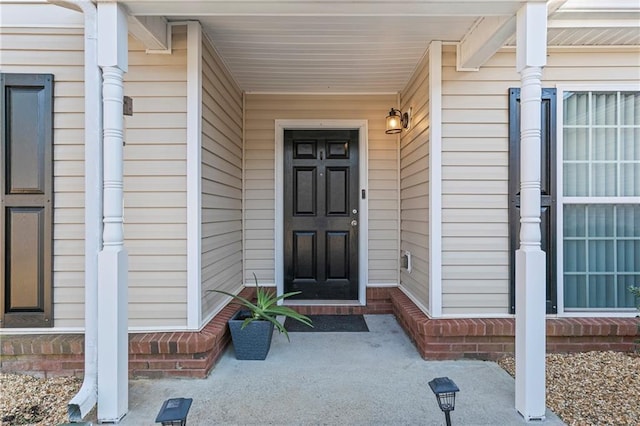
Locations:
(354, 222)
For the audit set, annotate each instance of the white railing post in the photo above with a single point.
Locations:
(530, 259)
(113, 342)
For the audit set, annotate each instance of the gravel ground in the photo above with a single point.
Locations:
(593, 388)
(27, 400)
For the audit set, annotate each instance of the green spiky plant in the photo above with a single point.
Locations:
(266, 308)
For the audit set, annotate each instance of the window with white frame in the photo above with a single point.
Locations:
(601, 199)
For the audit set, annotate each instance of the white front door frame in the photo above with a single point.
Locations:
(363, 235)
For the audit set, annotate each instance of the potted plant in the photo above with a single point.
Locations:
(252, 326)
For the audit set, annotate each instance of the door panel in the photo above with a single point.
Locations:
(337, 188)
(26, 185)
(304, 190)
(305, 253)
(337, 255)
(547, 189)
(321, 213)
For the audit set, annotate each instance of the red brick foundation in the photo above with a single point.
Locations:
(193, 354)
(493, 338)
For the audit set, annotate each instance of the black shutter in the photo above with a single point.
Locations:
(547, 189)
(26, 213)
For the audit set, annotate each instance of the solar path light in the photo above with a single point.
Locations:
(445, 391)
(174, 412)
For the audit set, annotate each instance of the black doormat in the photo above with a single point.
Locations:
(335, 323)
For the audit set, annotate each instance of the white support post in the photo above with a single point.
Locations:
(530, 259)
(113, 342)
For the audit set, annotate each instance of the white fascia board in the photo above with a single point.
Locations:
(483, 41)
(152, 31)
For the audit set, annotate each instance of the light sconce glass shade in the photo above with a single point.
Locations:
(396, 121)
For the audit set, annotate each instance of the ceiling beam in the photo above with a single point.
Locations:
(322, 8)
(489, 34)
(623, 22)
(152, 31)
(483, 41)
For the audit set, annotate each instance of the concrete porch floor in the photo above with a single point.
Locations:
(374, 378)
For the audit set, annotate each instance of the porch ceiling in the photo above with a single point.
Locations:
(366, 46)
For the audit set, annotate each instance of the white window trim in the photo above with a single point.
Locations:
(363, 242)
(561, 199)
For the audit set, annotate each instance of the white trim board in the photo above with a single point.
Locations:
(435, 179)
(363, 241)
(194, 181)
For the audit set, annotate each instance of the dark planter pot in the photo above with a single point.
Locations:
(253, 341)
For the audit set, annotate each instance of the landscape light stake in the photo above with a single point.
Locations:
(445, 390)
(174, 412)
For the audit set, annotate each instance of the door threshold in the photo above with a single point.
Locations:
(321, 302)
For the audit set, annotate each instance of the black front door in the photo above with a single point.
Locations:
(321, 214)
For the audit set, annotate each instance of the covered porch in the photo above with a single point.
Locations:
(200, 166)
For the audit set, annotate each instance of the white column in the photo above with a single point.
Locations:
(530, 259)
(113, 351)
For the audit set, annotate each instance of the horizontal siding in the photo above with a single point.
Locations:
(261, 113)
(155, 169)
(414, 184)
(25, 51)
(221, 180)
(475, 166)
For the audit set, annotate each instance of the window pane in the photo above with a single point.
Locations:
(630, 144)
(628, 255)
(630, 180)
(575, 258)
(576, 144)
(604, 108)
(600, 221)
(604, 144)
(603, 177)
(602, 290)
(574, 220)
(630, 108)
(628, 221)
(626, 299)
(601, 256)
(576, 111)
(576, 179)
(575, 294)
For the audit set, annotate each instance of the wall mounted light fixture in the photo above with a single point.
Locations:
(396, 121)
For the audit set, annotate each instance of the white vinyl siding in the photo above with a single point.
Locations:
(155, 225)
(475, 166)
(414, 185)
(261, 112)
(58, 51)
(221, 181)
